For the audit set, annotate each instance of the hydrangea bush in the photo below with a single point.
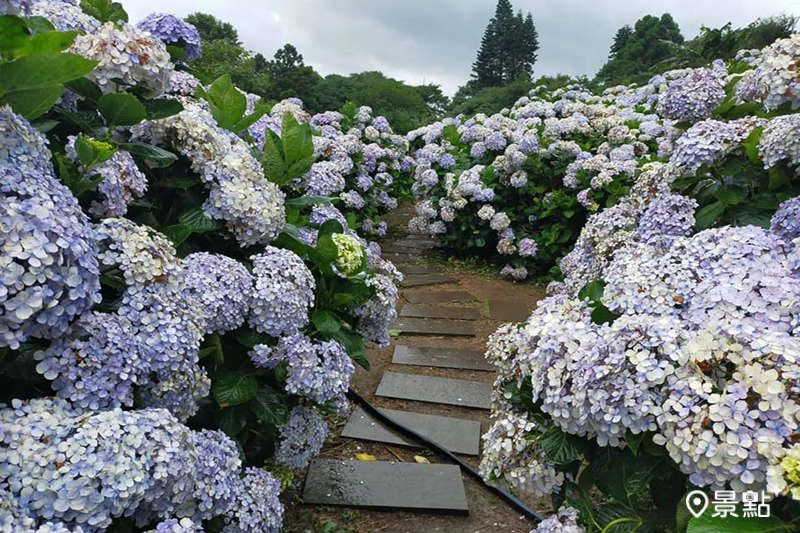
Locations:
(667, 359)
(182, 303)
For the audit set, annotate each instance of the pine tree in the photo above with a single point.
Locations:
(622, 36)
(508, 48)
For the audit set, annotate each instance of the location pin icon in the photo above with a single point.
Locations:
(697, 502)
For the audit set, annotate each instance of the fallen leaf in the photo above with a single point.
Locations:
(421, 460)
(365, 457)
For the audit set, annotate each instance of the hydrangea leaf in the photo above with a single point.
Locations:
(562, 448)
(234, 388)
(270, 406)
(42, 71)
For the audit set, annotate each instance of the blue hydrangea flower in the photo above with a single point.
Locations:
(256, 507)
(173, 30)
(302, 438)
(284, 292)
(223, 287)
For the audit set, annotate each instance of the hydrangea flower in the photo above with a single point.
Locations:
(137, 57)
(223, 287)
(780, 141)
(378, 313)
(301, 438)
(49, 269)
(565, 521)
(284, 292)
(256, 507)
(695, 95)
(774, 82)
(173, 30)
(350, 254)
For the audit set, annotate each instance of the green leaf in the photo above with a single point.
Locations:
(47, 42)
(707, 216)
(251, 337)
(154, 156)
(326, 322)
(162, 108)
(751, 145)
(234, 388)
(197, 221)
(42, 71)
(232, 420)
(104, 10)
(176, 53)
(326, 249)
(177, 233)
(299, 168)
(634, 440)
(92, 153)
(273, 161)
(227, 103)
(270, 406)
(777, 178)
(297, 140)
(562, 448)
(731, 195)
(310, 200)
(178, 183)
(707, 523)
(32, 103)
(245, 122)
(37, 25)
(329, 227)
(86, 88)
(121, 109)
(592, 290)
(354, 345)
(87, 121)
(12, 33)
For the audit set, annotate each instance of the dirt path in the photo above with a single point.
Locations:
(487, 513)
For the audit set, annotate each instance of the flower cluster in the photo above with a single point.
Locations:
(302, 438)
(695, 95)
(773, 80)
(223, 287)
(172, 30)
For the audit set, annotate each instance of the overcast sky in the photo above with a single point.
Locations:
(436, 40)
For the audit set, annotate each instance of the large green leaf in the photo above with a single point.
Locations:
(270, 406)
(297, 140)
(85, 88)
(177, 233)
(354, 345)
(250, 337)
(196, 220)
(562, 448)
(154, 156)
(162, 108)
(12, 33)
(40, 71)
(234, 388)
(121, 109)
(707, 216)
(47, 42)
(227, 103)
(326, 322)
(104, 10)
(310, 200)
(731, 195)
(273, 160)
(32, 103)
(232, 420)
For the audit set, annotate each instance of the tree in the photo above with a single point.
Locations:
(508, 48)
(213, 29)
(290, 76)
(652, 42)
(622, 36)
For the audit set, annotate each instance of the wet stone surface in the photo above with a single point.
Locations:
(419, 269)
(454, 434)
(427, 279)
(386, 485)
(464, 359)
(422, 326)
(423, 297)
(435, 390)
(439, 311)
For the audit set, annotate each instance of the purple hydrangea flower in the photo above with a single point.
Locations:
(173, 30)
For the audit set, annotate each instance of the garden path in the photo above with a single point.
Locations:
(433, 379)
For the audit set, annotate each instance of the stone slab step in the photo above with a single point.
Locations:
(423, 326)
(454, 434)
(439, 297)
(409, 270)
(463, 359)
(441, 311)
(386, 485)
(423, 280)
(435, 390)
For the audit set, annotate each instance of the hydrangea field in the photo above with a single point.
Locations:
(665, 358)
(187, 280)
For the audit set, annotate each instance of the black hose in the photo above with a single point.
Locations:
(512, 500)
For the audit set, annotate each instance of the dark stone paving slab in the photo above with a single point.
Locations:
(422, 326)
(427, 279)
(456, 435)
(417, 243)
(418, 269)
(423, 297)
(397, 249)
(441, 358)
(386, 485)
(401, 258)
(441, 311)
(435, 390)
(508, 310)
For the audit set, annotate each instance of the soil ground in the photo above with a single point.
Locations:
(488, 513)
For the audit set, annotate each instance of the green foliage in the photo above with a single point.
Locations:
(104, 10)
(290, 156)
(228, 105)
